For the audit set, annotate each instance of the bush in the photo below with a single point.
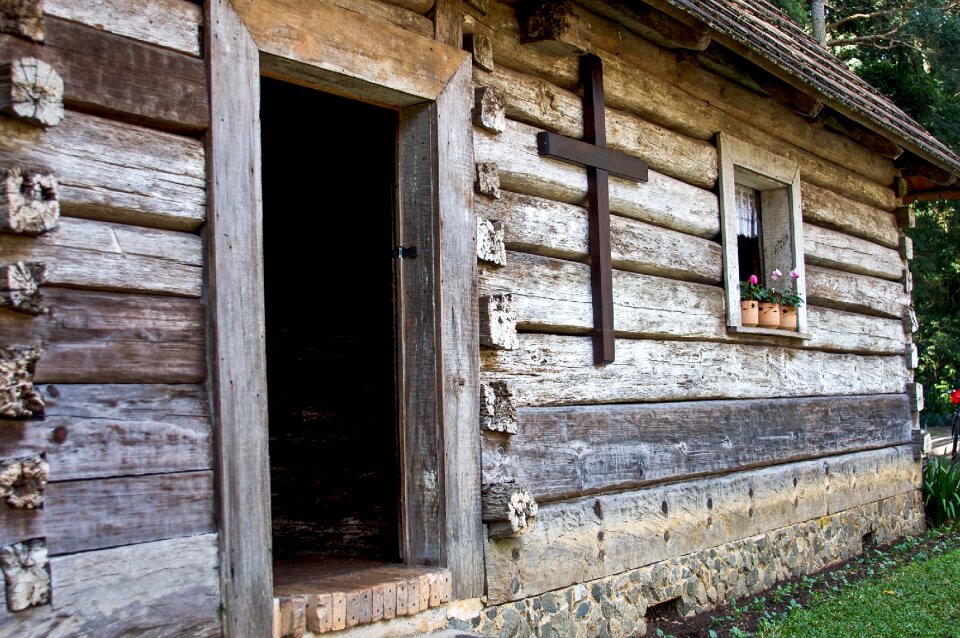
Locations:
(941, 489)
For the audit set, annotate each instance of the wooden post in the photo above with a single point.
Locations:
(31, 90)
(23, 18)
(508, 509)
(26, 572)
(29, 204)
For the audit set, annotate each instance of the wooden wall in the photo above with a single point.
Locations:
(685, 398)
(128, 517)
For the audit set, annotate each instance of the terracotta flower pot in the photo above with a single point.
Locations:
(788, 318)
(749, 315)
(769, 315)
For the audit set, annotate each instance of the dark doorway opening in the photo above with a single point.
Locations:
(329, 175)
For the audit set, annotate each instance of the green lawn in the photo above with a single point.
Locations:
(921, 599)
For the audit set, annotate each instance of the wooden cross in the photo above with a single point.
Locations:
(600, 162)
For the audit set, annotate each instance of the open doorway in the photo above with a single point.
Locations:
(329, 176)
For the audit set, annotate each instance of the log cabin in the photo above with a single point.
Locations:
(532, 407)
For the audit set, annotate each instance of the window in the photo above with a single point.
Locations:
(761, 224)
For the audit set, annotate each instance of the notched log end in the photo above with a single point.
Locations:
(554, 27)
(31, 90)
(29, 204)
(489, 109)
(22, 18)
(19, 399)
(497, 411)
(498, 322)
(508, 509)
(24, 481)
(491, 247)
(906, 218)
(481, 48)
(26, 573)
(488, 179)
(20, 287)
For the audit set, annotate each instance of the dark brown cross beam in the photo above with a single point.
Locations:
(600, 162)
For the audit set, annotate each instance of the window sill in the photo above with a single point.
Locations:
(770, 332)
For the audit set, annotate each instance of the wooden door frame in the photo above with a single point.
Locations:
(430, 85)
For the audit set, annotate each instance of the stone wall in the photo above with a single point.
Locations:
(615, 606)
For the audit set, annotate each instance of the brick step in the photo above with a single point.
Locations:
(321, 595)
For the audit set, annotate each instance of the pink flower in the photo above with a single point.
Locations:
(776, 275)
(794, 274)
(753, 280)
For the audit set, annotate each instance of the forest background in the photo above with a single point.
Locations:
(910, 51)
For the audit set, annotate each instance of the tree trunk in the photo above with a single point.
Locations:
(818, 18)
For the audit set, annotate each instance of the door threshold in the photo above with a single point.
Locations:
(322, 594)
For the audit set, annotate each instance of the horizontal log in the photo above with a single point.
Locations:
(403, 17)
(551, 295)
(560, 453)
(104, 256)
(555, 229)
(174, 24)
(662, 201)
(826, 208)
(98, 431)
(417, 6)
(593, 537)
(108, 73)
(83, 515)
(832, 249)
(632, 84)
(533, 101)
(111, 338)
(856, 293)
(166, 588)
(548, 370)
(113, 171)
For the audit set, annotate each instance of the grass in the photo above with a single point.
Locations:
(920, 599)
(909, 589)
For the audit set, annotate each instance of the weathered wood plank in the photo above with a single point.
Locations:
(536, 102)
(551, 295)
(393, 13)
(104, 256)
(111, 338)
(560, 453)
(831, 210)
(325, 45)
(459, 336)
(558, 370)
(151, 590)
(663, 201)
(83, 515)
(95, 431)
(832, 249)
(108, 73)
(555, 229)
(174, 24)
(856, 293)
(649, 81)
(236, 323)
(598, 536)
(113, 171)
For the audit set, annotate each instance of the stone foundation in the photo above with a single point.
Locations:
(615, 606)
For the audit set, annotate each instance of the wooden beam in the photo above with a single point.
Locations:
(561, 453)
(95, 431)
(236, 318)
(83, 515)
(586, 154)
(107, 73)
(110, 338)
(860, 134)
(652, 24)
(645, 526)
(832, 249)
(170, 584)
(856, 293)
(910, 164)
(328, 47)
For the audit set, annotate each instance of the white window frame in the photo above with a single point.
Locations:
(778, 180)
